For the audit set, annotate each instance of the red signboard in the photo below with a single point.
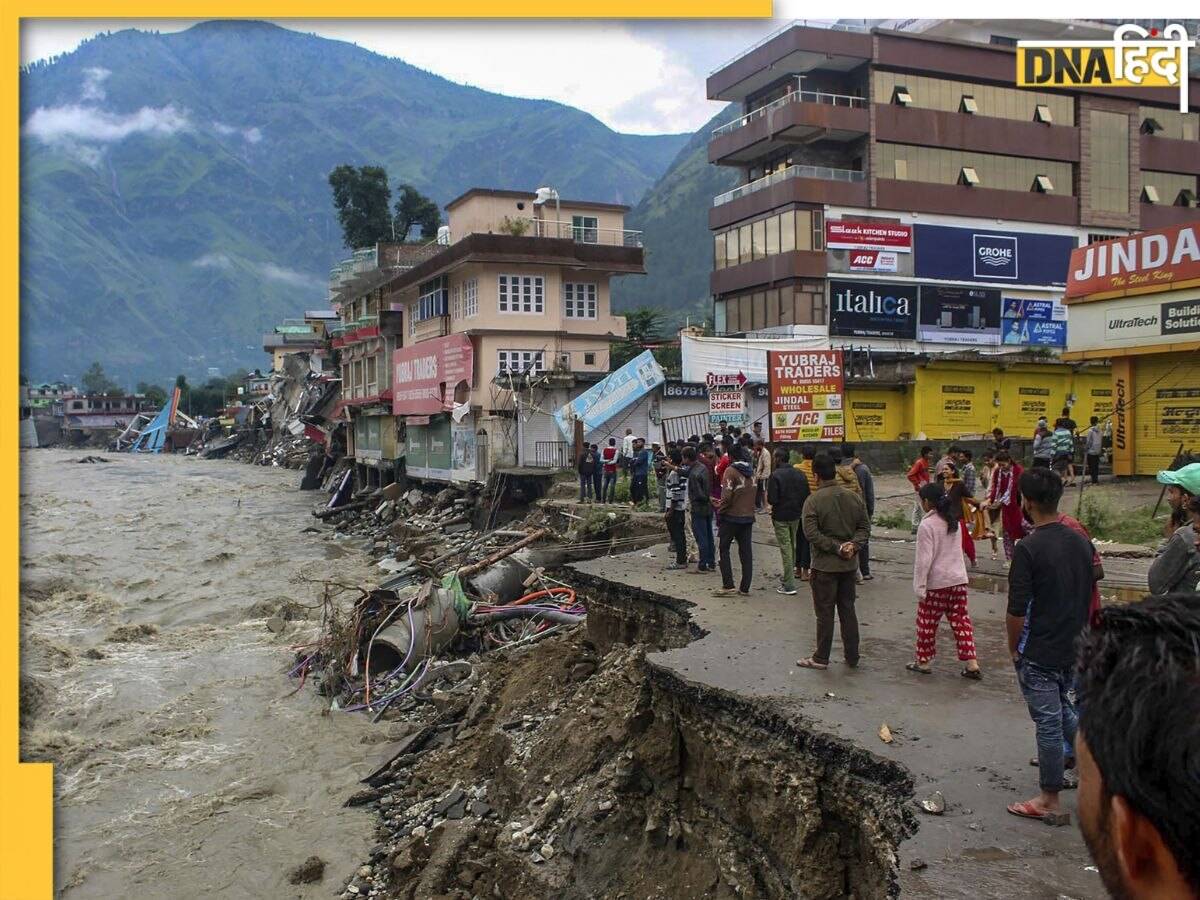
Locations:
(1164, 259)
(805, 391)
(842, 235)
(424, 375)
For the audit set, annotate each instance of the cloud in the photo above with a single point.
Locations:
(213, 261)
(291, 277)
(93, 83)
(249, 135)
(52, 124)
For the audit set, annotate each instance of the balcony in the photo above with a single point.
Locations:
(980, 202)
(770, 269)
(1164, 154)
(1160, 215)
(796, 48)
(795, 184)
(434, 327)
(554, 228)
(798, 118)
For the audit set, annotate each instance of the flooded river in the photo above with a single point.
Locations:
(150, 677)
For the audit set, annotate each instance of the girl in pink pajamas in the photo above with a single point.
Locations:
(940, 582)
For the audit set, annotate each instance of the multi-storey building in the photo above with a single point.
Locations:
(510, 315)
(899, 194)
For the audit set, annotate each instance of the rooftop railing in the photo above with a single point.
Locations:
(822, 172)
(846, 100)
(552, 228)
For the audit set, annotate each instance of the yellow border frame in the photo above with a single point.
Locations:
(26, 789)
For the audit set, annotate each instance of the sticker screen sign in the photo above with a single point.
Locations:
(805, 396)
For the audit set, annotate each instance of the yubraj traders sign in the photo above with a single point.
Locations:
(805, 394)
(1161, 260)
(424, 375)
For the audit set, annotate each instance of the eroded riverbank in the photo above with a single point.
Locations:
(185, 765)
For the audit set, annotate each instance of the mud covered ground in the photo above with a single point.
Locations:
(184, 765)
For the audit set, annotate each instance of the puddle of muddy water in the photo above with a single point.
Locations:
(998, 584)
(185, 766)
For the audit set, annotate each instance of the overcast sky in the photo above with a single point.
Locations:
(635, 76)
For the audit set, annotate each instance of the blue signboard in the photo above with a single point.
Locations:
(618, 391)
(972, 254)
(1033, 323)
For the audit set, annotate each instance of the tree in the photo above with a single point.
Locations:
(152, 392)
(414, 208)
(95, 381)
(361, 197)
(643, 329)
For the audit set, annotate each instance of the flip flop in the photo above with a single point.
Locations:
(973, 674)
(1026, 810)
(809, 663)
(913, 667)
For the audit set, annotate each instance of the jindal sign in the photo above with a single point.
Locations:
(1164, 259)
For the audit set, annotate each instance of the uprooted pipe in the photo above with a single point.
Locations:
(414, 638)
(529, 612)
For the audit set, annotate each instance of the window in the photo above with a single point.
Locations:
(589, 359)
(1169, 123)
(431, 299)
(1150, 194)
(522, 293)
(470, 297)
(947, 95)
(579, 300)
(772, 245)
(745, 254)
(793, 303)
(719, 251)
(1042, 184)
(1110, 161)
(412, 320)
(901, 96)
(758, 238)
(520, 361)
(1041, 113)
(1151, 126)
(968, 176)
(1002, 40)
(1167, 187)
(968, 105)
(939, 166)
(818, 229)
(585, 229)
(455, 302)
(787, 232)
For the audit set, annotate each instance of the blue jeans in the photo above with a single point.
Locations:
(1049, 695)
(585, 487)
(596, 481)
(702, 530)
(609, 492)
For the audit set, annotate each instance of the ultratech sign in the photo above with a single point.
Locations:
(1181, 317)
(873, 309)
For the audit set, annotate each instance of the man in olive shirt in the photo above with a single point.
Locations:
(836, 524)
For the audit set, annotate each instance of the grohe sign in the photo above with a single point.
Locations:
(948, 253)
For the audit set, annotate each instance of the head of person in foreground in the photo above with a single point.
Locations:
(1139, 747)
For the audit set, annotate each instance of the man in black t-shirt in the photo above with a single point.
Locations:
(1049, 590)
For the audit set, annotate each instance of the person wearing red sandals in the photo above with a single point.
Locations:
(1049, 595)
(940, 582)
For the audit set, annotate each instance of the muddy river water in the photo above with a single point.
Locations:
(185, 765)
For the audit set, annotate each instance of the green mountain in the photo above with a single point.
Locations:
(174, 199)
(673, 215)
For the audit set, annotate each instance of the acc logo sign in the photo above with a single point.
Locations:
(995, 256)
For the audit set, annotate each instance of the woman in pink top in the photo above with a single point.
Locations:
(940, 582)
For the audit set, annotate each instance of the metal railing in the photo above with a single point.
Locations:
(797, 96)
(825, 24)
(552, 455)
(613, 237)
(822, 172)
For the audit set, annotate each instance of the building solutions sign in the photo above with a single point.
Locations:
(946, 253)
(873, 309)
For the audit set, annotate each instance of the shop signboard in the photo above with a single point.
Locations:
(1033, 323)
(806, 391)
(950, 253)
(1160, 260)
(728, 405)
(873, 261)
(959, 315)
(425, 375)
(1181, 317)
(873, 309)
(887, 236)
(615, 392)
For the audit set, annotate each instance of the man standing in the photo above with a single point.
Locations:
(1177, 565)
(866, 484)
(587, 468)
(597, 474)
(1062, 443)
(737, 520)
(837, 527)
(608, 492)
(918, 477)
(1093, 447)
(1138, 746)
(627, 450)
(676, 496)
(699, 490)
(787, 489)
(639, 473)
(1049, 592)
(762, 471)
(999, 441)
(658, 460)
